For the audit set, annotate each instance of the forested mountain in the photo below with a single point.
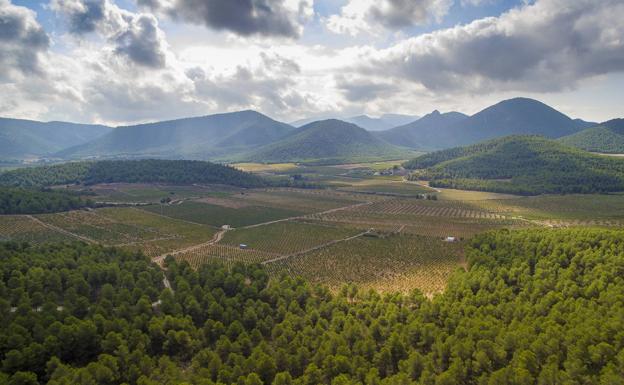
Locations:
(327, 140)
(522, 165)
(535, 307)
(384, 122)
(519, 116)
(208, 137)
(606, 138)
(31, 201)
(21, 139)
(131, 171)
(425, 133)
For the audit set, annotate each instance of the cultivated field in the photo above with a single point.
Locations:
(375, 231)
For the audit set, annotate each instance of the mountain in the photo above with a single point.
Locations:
(384, 122)
(608, 138)
(425, 133)
(328, 140)
(213, 136)
(521, 164)
(519, 116)
(21, 139)
(381, 123)
(130, 171)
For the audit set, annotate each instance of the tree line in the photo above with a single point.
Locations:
(38, 201)
(131, 171)
(535, 307)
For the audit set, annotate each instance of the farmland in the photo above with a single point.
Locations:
(375, 231)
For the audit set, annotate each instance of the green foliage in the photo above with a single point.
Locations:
(327, 142)
(536, 307)
(131, 171)
(607, 138)
(527, 165)
(30, 201)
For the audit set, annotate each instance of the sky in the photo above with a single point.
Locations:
(129, 61)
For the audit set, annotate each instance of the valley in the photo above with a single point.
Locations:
(382, 232)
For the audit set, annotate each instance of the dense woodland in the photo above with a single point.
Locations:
(535, 307)
(606, 138)
(527, 165)
(131, 171)
(34, 201)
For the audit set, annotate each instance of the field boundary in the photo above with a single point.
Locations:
(62, 231)
(315, 248)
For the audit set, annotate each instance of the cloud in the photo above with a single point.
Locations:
(359, 16)
(547, 46)
(142, 42)
(283, 18)
(135, 36)
(22, 42)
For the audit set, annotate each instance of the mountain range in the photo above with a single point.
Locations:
(608, 138)
(329, 140)
(22, 139)
(252, 136)
(518, 116)
(384, 122)
(520, 164)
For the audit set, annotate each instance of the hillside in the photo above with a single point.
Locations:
(207, 137)
(328, 140)
(519, 116)
(606, 138)
(130, 171)
(384, 122)
(426, 133)
(21, 139)
(534, 307)
(523, 165)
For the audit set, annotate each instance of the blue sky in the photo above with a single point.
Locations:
(128, 61)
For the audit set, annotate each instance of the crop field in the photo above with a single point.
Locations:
(286, 237)
(401, 207)
(395, 263)
(306, 201)
(24, 228)
(225, 254)
(561, 207)
(99, 228)
(376, 186)
(218, 216)
(175, 234)
(153, 193)
(371, 231)
(263, 167)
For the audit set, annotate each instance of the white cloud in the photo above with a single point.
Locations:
(135, 36)
(370, 16)
(22, 42)
(544, 47)
(283, 18)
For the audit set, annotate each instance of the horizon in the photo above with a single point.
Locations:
(125, 62)
(311, 120)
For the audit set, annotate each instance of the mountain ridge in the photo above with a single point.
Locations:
(327, 139)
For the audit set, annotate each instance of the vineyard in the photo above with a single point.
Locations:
(364, 231)
(204, 213)
(286, 237)
(23, 228)
(225, 254)
(395, 263)
(99, 228)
